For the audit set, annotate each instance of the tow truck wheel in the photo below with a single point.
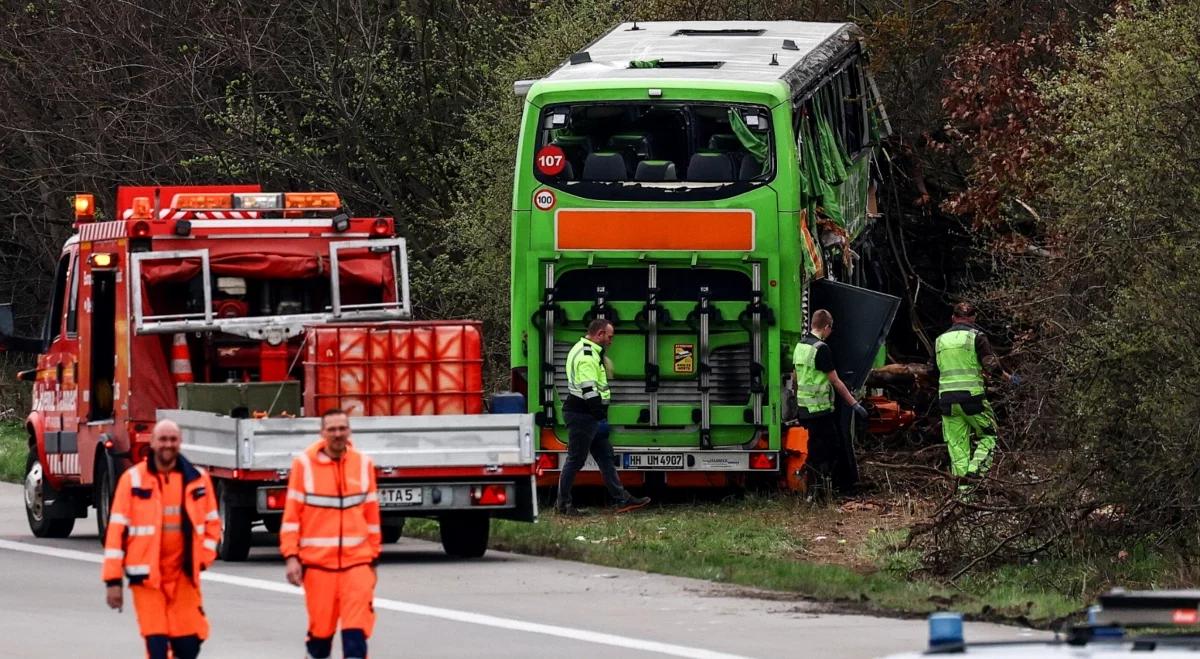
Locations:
(236, 527)
(391, 531)
(103, 497)
(37, 492)
(466, 535)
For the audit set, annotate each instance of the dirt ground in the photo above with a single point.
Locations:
(840, 533)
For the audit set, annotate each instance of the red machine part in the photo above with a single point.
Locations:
(887, 416)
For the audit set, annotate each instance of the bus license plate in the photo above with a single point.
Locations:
(395, 497)
(654, 461)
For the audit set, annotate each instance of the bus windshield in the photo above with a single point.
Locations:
(654, 144)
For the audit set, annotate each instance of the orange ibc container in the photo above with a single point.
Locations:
(399, 368)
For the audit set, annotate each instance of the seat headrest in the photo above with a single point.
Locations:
(605, 166)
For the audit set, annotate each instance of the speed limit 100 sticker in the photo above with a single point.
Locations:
(544, 199)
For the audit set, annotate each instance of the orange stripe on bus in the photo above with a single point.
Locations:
(656, 230)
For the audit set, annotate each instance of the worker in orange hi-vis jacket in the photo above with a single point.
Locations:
(162, 533)
(331, 539)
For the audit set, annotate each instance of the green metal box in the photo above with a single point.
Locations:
(228, 397)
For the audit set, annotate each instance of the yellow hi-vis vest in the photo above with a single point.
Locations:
(958, 363)
(814, 392)
(586, 376)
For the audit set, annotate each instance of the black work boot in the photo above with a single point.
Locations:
(630, 502)
(569, 510)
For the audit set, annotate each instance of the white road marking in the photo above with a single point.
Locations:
(417, 609)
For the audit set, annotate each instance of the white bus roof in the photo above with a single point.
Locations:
(743, 49)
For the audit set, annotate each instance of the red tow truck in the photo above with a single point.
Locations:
(242, 315)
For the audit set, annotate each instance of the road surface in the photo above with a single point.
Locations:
(504, 605)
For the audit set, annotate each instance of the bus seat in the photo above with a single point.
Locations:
(727, 144)
(749, 168)
(635, 146)
(710, 167)
(576, 148)
(605, 166)
(655, 170)
(724, 142)
(581, 142)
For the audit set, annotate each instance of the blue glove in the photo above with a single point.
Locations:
(602, 429)
(1015, 380)
(860, 410)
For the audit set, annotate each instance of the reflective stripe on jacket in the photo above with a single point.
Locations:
(814, 392)
(958, 362)
(133, 541)
(331, 517)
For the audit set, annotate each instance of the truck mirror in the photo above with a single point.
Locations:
(6, 328)
(10, 342)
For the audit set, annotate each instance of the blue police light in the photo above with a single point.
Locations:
(945, 630)
(1102, 631)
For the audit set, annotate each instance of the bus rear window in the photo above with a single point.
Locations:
(657, 145)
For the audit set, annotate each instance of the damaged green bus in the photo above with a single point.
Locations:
(703, 186)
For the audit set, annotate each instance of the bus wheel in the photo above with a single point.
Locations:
(37, 491)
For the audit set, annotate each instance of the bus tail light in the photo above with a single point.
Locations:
(762, 461)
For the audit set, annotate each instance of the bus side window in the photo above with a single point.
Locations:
(855, 109)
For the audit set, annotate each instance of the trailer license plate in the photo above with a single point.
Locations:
(395, 497)
(654, 461)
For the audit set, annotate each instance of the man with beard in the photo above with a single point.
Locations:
(162, 533)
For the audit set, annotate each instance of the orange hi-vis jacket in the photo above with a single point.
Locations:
(133, 544)
(331, 518)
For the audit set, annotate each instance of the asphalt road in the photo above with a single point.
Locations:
(504, 605)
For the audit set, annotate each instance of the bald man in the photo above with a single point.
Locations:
(162, 533)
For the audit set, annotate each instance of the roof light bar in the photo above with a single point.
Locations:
(257, 200)
(312, 200)
(194, 201)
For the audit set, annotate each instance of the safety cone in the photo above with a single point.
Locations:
(181, 360)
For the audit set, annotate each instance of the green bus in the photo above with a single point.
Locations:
(702, 185)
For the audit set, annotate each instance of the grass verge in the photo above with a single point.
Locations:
(13, 451)
(848, 556)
